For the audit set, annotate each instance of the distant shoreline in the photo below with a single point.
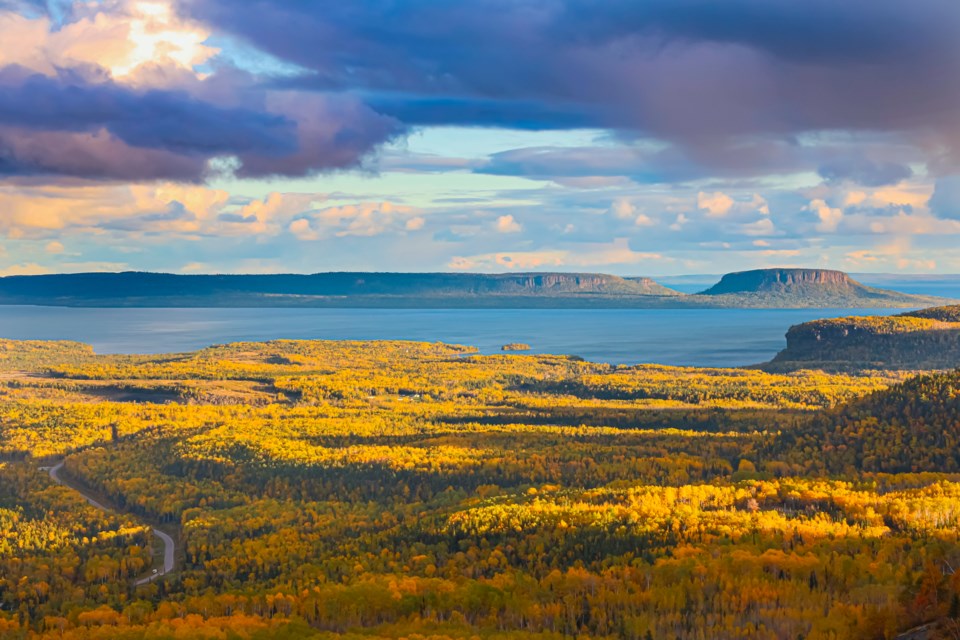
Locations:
(786, 288)
(477, 304)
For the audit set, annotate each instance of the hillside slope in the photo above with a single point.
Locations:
(826, 288)
(924, 339)
(910, 427)
(651, 287)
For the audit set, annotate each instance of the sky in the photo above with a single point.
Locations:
(634, 137)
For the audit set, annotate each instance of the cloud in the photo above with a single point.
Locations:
(302, 230)
(864, 171)
(945, 201)
(507, 224)
(829, 217)
(132, 41)
(415, 224)
(897, 253)
(762, 227)
(716, 204)
(759, 203)
(54, 247)
(623, 209)
(53, 212)
(592, 255)
(695, 72)
(730, 89)
(645, 163)
(154, 119)
(679, 223)
(361, 220)
(24, 269)
(700, 125)
(116, 92)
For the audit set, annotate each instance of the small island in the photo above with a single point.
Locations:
(515, 346)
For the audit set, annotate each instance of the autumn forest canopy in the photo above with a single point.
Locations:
(655, 179)
(332, 490)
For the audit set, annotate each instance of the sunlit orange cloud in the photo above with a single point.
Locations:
(617, 252)
(899, 253)
(170, 208)
(364, 219)
(915, 196)
(136, 42)
(829, 217)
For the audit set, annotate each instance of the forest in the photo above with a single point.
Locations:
(362, 490)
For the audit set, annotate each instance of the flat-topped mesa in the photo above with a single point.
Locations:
(789, 288)
(784, 280)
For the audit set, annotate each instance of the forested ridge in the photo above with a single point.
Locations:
(914, 426)
(413, 490)
(922, 339)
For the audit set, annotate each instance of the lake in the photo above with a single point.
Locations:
(708, 337)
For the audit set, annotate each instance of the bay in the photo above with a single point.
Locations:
(702, 337)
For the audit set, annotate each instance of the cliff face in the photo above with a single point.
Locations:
(785, 281)
(926, 339)
(534, 283)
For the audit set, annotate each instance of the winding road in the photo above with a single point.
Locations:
(169, 548)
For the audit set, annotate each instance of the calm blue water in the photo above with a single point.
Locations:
(709, 337)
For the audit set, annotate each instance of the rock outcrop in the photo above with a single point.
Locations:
(925, 339)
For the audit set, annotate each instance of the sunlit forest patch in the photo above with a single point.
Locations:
(393, 489)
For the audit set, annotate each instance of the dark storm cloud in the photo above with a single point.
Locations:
(69, 126)
(865, 172)
(443, 110)
(730, 85)
(688, 70)
(152, 119)
(806, 31)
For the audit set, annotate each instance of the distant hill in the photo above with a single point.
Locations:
(807, 288)
(772, 288)
(320, 289)
(924, 339)
(786, 281)
(910, 427)
(653, 288)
